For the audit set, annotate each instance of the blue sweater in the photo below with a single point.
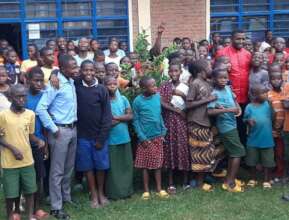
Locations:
(148, 122)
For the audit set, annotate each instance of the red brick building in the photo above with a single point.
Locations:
(182, 18)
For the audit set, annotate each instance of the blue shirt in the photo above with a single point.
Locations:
(119, 134)
(260, 135)
(227, 121)
(31, 103)
(58, 106)
(148, 122)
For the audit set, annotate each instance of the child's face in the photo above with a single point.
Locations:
(228, 64)
(100, 59)
(111, 86)
(88, 73)
(100, 72)
(257, 59)
(276, 80)
(186, 44)
(279, 44)
(151, 87)
(175, 72)
(123, 46)
(3, 76)
(18, 98)
(203, 52)
(51, 45)
(61, 43)
(48, 57)
(261, 95)
(248, 45)
(36, 84)
(113, 46)
(12, 57)
(83, 44)
(126, 61)
(70, 45)
(113, 70)
(32, 52)
(279, 58)
(71, 52)
(227, 42)
(133, 58)
(222, 79)
(94, 45)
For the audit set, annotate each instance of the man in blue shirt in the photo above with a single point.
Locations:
(57, 110)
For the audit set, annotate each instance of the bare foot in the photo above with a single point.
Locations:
(94, 204)
(103, 200)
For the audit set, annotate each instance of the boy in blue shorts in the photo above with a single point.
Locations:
(94, 122)
(16, 155)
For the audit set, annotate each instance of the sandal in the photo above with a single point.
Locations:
(240, 182)
(235, 189)
(172, 190)
(252, 183)
(145, 196)
(207, 187)
(267, 185)
(162, 194)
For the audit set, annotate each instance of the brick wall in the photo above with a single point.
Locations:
(182, 18)
(135, 25)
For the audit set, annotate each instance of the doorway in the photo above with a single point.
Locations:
(12, 33)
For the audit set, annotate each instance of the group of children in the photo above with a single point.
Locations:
(184, 125)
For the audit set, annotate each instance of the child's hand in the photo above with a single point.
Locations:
(234, 110)
(17, 154)
(161, 28)
(251, 122)
(239, 112)
(40, 143)
(2, 132)
(54, 81)
(182, 113)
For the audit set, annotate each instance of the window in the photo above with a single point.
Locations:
(9, 9)
(75, 30)
(281, 4)
(255, 23)
(256, 5)
(224, 6)
(223, 24)
(111, 7)
(76, 8)
(112, 28)
(281, 25)
(48, 30)
(40, 8)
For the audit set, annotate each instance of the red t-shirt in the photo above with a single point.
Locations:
(239, 74)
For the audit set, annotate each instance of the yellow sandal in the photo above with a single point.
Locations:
(207, 187)
(162, 194)
(146, 196)
(252, 183)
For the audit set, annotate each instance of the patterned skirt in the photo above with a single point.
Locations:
(204, 154)
(149, 154)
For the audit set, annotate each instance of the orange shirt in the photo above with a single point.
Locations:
(275, 98)
(286, 96)
(122, 83)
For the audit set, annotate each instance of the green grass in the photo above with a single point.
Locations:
(192, 204)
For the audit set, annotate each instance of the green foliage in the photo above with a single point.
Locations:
(141, 46)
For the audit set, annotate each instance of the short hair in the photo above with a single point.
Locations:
(15, 87)
(174, 55)
(144, 80)
(217, 71)
(99, 53)
(202, 41)
(177, 39)
(109, 64)
(175, 63)
(237, 31)
(198, 66)
(48, 41)
(43, 50)
(34, 71)
(85, 62)
(64, 59)
(121, 60)
(186, 38)
(108, 78)
(275, 65)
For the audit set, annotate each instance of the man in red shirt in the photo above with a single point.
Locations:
(240, 60)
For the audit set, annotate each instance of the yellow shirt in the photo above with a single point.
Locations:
(27, 64)
(17, 128)
(47, 73)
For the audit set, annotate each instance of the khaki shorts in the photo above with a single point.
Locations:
(263, 156)
(232, 143)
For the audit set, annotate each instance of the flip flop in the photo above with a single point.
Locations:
(240, 182)
(41, 214)
(163, 194)
(146, 196)
(267, 185)
(207, 187)
(252, 183)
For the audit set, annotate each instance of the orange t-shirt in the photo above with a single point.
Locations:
(286, 96)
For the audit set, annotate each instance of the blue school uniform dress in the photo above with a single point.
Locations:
(93, 125)
(38, 155)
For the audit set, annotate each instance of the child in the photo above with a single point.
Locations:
(226, 109)
(204, 155)
(12, 67)
(32, 61)
(120, 175)
(275, 97)
(112, 56)
(94, 122)
(99, 57)
(260, 143)
(16, 156)
(223, 61)
(47, 61)
(112, 69)
(100, 72)
(149, 127)
(4, 87)
(176, 151)
(257, 74)
(35, 78)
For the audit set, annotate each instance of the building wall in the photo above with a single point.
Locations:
(182, 18)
